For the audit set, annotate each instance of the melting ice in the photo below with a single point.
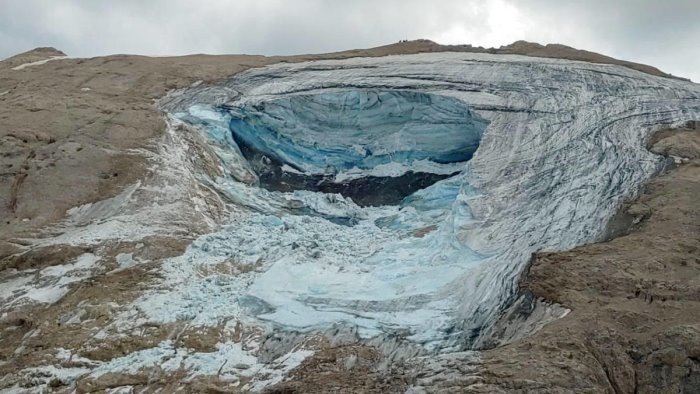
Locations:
(319, 258)
(404, 194)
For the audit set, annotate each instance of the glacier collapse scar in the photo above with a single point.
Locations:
(403, 195)
(361, 144)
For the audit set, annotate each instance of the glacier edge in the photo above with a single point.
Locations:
(563, 148)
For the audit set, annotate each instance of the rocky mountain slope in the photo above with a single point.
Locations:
(144, 240)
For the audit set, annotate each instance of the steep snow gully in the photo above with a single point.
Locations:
(404, 195)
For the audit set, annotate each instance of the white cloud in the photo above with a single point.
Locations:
(487, 24)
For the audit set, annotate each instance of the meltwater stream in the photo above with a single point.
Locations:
(403, 195)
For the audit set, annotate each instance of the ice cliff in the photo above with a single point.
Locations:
(404, 195)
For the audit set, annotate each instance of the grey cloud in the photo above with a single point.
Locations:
(663, 34)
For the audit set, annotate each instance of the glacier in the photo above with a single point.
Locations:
(327, 132)
(404, 195)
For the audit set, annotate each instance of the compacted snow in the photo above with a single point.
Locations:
(404, 195)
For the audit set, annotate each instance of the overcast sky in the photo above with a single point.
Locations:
(665, 34)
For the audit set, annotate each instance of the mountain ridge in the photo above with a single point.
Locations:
(520, 47)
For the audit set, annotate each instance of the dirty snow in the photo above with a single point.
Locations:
(48, 285)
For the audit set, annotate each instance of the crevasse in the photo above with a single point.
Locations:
(471, 162)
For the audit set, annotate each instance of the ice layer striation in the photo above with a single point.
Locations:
(404, 195)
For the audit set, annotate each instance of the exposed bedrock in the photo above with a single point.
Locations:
(452, 170)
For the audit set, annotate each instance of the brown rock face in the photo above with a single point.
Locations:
(78, 130)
